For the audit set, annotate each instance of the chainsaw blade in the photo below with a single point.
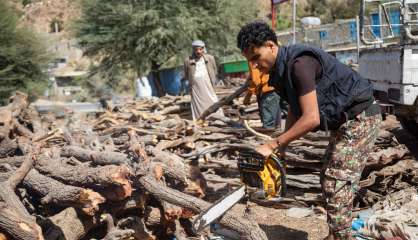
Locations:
(218, 209)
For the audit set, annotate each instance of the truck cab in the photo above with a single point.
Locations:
(389, 57)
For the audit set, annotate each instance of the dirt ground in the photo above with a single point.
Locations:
(278, 225)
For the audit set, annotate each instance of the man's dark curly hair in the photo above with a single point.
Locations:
(255, 34)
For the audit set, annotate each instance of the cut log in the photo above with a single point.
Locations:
(7, 191)
(69, 225)
(57, 193)
(232, 219)
(17, 227)
(14, 218)
(111, 181)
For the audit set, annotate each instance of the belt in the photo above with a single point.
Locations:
(372, 110)
(369, 107)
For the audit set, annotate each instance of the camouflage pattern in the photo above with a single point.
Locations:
(345, 159)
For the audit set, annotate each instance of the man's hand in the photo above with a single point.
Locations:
(268, 148)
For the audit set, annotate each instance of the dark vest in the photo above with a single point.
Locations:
(341, 92)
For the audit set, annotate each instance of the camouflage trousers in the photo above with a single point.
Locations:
(345, 159)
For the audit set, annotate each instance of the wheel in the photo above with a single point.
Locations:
(410, 125)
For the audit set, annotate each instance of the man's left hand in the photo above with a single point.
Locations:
(267, 149)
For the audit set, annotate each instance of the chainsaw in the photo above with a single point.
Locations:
(266, 175)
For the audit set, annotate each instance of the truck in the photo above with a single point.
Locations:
(389, 56)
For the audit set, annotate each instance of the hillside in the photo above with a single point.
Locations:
(39, 14)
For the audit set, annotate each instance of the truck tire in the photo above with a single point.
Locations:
(410, 125)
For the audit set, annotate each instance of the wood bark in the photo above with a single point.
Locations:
(14, 218)
(98, 158)
(111, 181)
(69, 225)
(17, 227)
(57, 193)
(7, 147)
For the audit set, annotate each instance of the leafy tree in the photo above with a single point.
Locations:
(21, 56)
(143, 35)
(330, 10)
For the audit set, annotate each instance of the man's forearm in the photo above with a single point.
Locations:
(298, 129)
(290, 120)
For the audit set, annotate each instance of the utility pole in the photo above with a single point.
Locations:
(273, 15)
(294, 21)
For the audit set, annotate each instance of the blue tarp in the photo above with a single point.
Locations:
(170, 81)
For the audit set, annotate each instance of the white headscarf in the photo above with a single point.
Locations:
(198, 43)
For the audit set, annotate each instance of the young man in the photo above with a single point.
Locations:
(268, 100)
(322, 93)
(200, 71)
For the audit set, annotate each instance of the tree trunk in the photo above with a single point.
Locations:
(17, 227)
(55, 192)
(111, 181)
(231, 219)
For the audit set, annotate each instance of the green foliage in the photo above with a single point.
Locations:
(26, 2)
(144, 35)
(330, 10)
(21, 56)
(282, 23)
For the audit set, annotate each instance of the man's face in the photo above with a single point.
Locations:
(198, 51)
(263, 58)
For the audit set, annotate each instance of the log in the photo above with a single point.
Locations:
(98, 158)
(32, 116)
(232, 219)
(174, 143)
(303, 181)
(17, 103)
(15, 161)
(223, 101)
(14, 218)
(69, 225)
(7, 191)
(7, 147)
(113, 232)
(152, 216)
(170, 159)
(111, 181)
(57, 193)
(173, 174)
(17, 227)
(137, 203)
(138, 226)
(22, 130)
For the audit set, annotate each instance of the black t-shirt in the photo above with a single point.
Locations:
(306, 70)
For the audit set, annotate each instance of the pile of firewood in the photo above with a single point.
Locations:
(144, 169)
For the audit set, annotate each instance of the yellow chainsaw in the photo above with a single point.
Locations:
(266, 175)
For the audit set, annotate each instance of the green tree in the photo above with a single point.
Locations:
(143, 35)
(21, 56)
(330, 10)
